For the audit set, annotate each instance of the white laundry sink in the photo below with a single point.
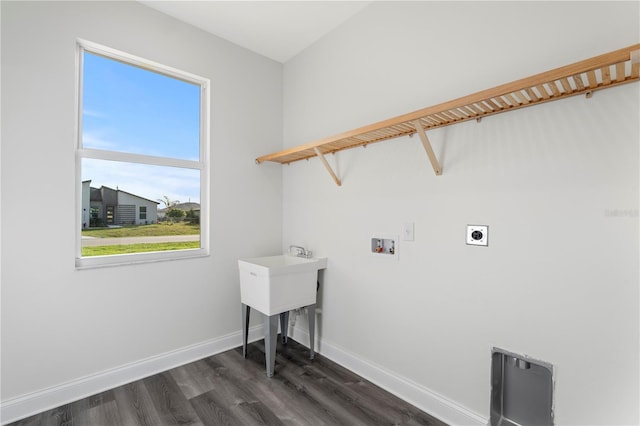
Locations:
(275, 284)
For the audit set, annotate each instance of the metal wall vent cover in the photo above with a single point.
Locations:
(521, 390)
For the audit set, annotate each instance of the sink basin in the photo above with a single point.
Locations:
(275, 284)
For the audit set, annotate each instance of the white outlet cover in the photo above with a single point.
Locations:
(407, 231)
(477, 235)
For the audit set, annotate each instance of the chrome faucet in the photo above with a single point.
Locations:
(301, 251)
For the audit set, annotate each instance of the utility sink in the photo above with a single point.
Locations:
(276, 284)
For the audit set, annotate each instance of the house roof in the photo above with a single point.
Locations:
(96, 194)
(134, 195)
(183, 206)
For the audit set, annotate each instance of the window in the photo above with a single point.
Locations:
(142, 146)
(93, 218)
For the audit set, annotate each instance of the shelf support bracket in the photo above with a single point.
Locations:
(327, 166)
(427, 147)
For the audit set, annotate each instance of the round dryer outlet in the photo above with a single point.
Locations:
(478, 235)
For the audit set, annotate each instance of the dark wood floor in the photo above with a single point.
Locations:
(227, 389)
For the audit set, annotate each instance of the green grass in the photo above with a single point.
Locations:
(158, 229)
(138, 248)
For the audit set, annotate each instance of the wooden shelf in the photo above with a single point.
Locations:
(584, 77)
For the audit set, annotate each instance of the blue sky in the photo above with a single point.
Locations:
(129, 109)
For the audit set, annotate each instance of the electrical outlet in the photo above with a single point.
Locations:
(477, 235)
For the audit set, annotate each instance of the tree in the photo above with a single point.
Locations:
(169, 208)
(192, 217)
(168, 203)
(175, 213)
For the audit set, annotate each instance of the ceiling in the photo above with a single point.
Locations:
(276, 29)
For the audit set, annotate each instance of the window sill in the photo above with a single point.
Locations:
(137, 258)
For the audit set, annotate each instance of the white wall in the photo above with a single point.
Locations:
(556, 183)
(60, 324)
(125, 198)
(563, 295)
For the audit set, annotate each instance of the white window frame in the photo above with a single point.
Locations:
(202, 164)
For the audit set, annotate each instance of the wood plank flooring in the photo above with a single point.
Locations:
(226, 389)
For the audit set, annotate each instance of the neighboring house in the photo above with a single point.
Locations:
(108, 206)
(181, 206)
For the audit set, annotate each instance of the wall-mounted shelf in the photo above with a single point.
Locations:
(584, 77)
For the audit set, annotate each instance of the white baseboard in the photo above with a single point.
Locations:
(427, 400)
(420, 396)
(36, 402)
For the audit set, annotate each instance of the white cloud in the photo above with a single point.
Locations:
(151, 182)
(93, 113)
(92, 140)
